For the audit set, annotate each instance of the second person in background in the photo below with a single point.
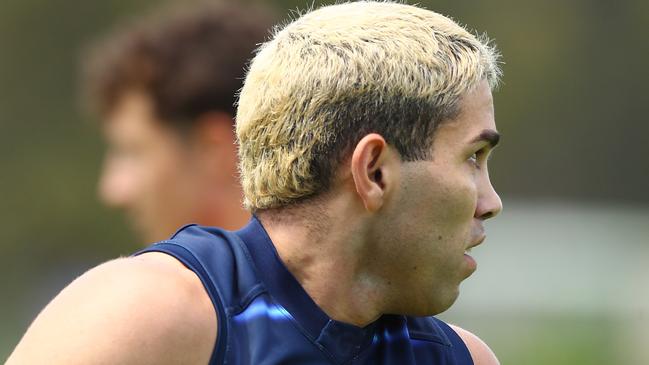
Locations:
(165, 89)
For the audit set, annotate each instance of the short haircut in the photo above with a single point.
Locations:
(338, 73)
(188, 60)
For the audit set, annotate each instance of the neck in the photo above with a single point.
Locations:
(330, 261)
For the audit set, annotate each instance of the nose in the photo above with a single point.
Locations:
(116, 185)
(489, 203)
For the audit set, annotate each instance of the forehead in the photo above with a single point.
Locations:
(133, 118)
(132, 113)
(476, 114)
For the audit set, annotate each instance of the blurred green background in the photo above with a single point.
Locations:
(563, 276)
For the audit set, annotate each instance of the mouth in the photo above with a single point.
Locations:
(470, 261)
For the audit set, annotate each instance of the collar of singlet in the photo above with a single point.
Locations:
(340, 340)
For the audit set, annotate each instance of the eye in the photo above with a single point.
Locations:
(477, 158)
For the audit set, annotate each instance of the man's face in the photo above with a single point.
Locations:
(440, 207)
(146, 170)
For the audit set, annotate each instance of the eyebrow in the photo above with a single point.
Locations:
(488, 135)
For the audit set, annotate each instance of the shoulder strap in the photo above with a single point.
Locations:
(458, 347)
(192, 248)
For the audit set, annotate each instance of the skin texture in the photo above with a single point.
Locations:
(162, 179)
(370, 246)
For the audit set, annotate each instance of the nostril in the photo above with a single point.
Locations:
(487, 215)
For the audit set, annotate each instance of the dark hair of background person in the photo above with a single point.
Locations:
(177, 58)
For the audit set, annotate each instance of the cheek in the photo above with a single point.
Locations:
(163, 168)
(435, 207)
(459, 200)
(448, 200)
(170, 188)
(444, 217)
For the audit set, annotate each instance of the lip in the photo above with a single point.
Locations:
(470, 261)
(471, 264)
(478, 241)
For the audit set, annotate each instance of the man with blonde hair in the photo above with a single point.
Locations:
(364, 132)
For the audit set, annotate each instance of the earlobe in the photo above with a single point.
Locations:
(369, 168)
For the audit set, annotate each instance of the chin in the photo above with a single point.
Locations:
(444, 301)
(436, 305)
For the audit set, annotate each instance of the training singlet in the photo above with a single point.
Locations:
(265, 317)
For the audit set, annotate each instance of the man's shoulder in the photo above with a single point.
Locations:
(480, 351)
(130, 310)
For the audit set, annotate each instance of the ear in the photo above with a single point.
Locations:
(374, 168)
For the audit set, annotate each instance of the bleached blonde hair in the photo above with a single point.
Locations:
(340, 72)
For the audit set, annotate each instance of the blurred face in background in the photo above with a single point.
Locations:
(141, 171)
(163, 179)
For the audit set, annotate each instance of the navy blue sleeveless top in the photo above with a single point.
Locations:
(265, 317)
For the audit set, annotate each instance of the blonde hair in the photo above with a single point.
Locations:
(340, 72)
